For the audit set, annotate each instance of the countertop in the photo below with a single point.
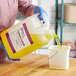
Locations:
(35, 65)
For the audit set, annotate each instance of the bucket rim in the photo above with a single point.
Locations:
(56, 46)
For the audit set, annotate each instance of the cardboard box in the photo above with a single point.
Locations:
(70, 13)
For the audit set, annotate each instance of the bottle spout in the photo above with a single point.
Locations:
(49, 34)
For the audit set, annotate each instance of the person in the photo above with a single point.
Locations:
(8, 13)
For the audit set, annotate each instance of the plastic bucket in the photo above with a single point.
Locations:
(59, 59)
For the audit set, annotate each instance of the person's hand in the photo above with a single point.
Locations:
(39, 10)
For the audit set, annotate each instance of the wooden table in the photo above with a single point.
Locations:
(34, 65)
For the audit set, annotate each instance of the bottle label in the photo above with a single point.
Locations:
(19, 38)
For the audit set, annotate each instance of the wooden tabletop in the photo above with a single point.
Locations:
(34, 65)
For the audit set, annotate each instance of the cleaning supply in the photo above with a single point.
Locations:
(59, 59)
(27, 36)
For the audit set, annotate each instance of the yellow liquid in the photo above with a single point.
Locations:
(44, 39)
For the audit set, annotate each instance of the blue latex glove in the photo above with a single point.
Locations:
(2, 46)
(39, 10)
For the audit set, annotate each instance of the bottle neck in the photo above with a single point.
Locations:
(50, 34)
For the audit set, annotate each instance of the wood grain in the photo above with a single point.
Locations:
(34, 65)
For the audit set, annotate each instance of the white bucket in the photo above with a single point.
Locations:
(59, 59)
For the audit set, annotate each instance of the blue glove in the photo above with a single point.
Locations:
(2, 46)
(39, 10)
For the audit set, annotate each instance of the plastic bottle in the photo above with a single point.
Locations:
(27, 36)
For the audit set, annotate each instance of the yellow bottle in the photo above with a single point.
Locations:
(26, 37)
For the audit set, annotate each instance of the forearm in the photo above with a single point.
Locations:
(25, 7)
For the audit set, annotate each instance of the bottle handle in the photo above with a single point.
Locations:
(46, 20)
